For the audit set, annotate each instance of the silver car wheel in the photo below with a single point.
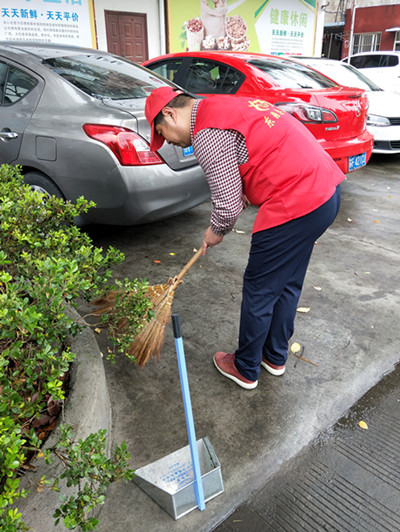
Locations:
(41, 190)
(41, 183)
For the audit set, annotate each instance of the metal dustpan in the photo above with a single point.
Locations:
(191, 476)
(170, 481)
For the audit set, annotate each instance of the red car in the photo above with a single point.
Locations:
(336, 115)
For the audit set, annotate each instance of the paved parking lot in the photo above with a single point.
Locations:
(347, 480)
(350, 333)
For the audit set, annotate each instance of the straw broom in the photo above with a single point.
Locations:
(148, 343)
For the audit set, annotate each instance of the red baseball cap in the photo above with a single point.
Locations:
(157, 100)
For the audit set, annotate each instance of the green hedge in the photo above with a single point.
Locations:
(45, 261)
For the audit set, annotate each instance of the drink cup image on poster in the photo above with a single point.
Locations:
(270, 26)
(48, 21)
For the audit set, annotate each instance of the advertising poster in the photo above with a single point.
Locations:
(275, 27)
(48, 21)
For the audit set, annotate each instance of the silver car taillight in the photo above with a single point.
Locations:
(129, 147)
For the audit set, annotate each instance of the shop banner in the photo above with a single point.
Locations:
(48, 21)
(271, 26)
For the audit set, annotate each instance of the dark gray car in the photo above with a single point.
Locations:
(73, 119)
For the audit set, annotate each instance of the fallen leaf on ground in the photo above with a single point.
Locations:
(376, 221)
(157, 261)
(363, 425)
(295, 348)
(303, 310)
(28, 467)
(172, 253)
(97, 330)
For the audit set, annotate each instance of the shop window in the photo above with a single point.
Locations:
(396, 46)
(366, 42)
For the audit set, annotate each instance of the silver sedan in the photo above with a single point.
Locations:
(73, 119)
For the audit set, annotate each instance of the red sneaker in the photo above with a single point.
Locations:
(225, 364)
(272, 368)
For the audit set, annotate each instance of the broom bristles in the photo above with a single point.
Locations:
(106, 303)
(150, 340)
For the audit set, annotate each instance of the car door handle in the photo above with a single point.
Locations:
(6, 134)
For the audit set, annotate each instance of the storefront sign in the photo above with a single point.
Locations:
(271, 26)
(48, 21)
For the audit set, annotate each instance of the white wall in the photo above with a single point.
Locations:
(149, 7)
(319, 31)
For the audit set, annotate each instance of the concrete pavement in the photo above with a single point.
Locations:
(348, 479)
(351, 333)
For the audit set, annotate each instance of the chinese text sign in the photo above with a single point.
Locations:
(269, 26)
(48, 21)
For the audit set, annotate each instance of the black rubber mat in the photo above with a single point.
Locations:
(347, 480)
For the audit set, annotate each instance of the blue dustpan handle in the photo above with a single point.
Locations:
(198, 485)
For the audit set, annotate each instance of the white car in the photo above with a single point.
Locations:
(384, 106)
(382, 67)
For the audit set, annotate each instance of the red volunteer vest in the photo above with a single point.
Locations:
(288, 174)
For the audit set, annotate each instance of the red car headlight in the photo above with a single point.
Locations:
(129, 147)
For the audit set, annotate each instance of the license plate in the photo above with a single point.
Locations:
(188, 151)
(357, 161)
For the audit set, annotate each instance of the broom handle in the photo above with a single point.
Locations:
(186, 268)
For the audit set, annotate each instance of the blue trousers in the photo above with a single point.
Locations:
(272, 284)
